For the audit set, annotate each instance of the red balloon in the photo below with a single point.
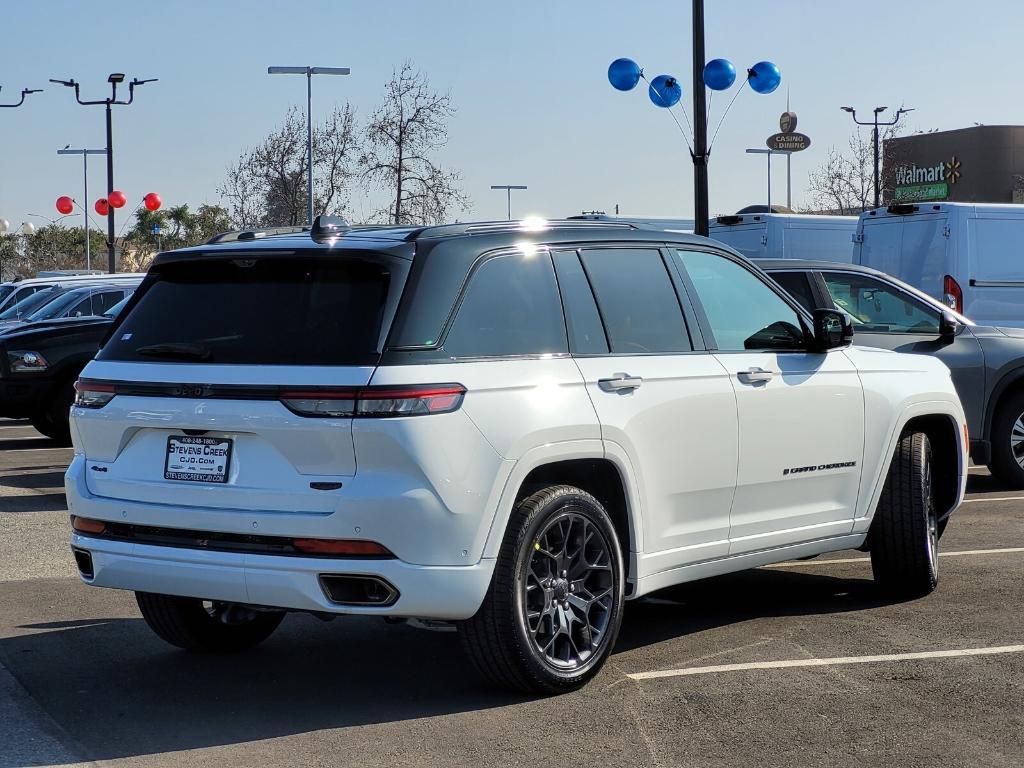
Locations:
(65, 204)
(117, 198)
(102, 206)
(152, 201)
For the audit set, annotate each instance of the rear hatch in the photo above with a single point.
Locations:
(225, 383)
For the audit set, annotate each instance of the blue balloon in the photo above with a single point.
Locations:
(665, 91)
(624, 74)
(764, 77)
(719, 74)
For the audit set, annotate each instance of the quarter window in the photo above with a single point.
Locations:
(637, 301)
(798, 286)
(510, 307)
(744, 313)
(879, 308)
(582, 321)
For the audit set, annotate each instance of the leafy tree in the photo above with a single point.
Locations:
(179, 227)
(403, 132)
(267, 186)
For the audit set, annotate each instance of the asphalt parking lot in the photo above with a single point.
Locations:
(797, 665)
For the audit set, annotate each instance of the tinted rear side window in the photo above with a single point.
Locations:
(637, 301)
(267, 311)
(510, 307)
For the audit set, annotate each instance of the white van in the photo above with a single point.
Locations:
(666, 224)
(787, 235)
(12, 293)
(970, 256)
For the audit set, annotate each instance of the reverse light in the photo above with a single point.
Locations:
(952, 294)
(25, 361)
(376, 402)
(93, 394)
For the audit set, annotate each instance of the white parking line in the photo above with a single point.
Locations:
(993, 498)
(954, 553)
(788, 663)
(19, 450)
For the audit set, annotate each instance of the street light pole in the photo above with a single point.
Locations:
(508, 190)
(24, 93)
(875, 123)
(309, 72)
(85, 192)
(700, 125)
(114, 79)
(789, 177)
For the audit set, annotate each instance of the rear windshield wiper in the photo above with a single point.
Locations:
(175, 351)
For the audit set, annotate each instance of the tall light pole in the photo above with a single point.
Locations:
(700, 125)
(508, 191)
(309, 72)
(114, 79)
(85, 192)
(875, 122)
(24, 93)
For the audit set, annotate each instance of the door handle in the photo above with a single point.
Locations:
(755, 375)
(619, 381)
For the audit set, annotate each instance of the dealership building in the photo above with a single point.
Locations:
(983, 164)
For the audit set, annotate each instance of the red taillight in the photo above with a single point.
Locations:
(953, 296)
(415, 400)
(93, 394)
(87, 525)
(341, 547)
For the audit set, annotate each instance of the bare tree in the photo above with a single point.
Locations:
(402, 133)
(267, 185)
(845, 182)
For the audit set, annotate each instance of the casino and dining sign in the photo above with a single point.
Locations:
(788, 140)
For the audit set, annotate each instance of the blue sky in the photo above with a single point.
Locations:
(527, 77)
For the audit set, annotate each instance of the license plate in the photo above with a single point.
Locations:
(198, 459)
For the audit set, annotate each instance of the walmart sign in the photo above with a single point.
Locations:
(932, 182)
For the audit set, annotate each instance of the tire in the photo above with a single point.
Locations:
(904, 533)
(1005, 464)
(202, 627)
(552, 612)
(53, 421)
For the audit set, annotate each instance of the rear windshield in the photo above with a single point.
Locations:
(267, 311)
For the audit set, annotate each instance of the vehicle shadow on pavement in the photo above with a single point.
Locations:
(737, 597)
(120, 692)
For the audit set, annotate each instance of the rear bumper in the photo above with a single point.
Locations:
(432, 592)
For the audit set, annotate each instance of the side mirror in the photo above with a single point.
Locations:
(832, 329)
(949, 326)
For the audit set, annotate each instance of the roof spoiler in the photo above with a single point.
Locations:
(328, 227)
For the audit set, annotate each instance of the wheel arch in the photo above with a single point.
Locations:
(594, 472)
(1007, 384)
(946, 441)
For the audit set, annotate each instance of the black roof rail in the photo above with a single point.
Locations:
(254, 234)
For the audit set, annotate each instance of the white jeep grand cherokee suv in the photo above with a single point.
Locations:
(511, 428)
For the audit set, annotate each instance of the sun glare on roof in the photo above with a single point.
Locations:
(533, 224)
